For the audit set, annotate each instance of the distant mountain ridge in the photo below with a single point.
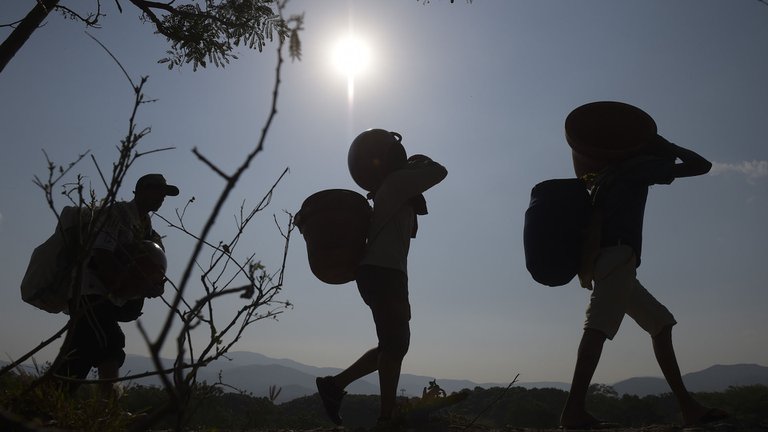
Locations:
(255, 373)
(712, 379)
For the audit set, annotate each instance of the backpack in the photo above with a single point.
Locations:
(555, 228)
(49, 277)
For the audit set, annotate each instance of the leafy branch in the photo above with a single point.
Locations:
(199, 32)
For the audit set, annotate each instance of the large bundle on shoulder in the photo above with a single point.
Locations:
(555, 229)
(604, 133)
(605, 137)
(335, 224)
(50, 274)
(144, 266)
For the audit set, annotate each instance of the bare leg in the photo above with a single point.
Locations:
(389, 376)
(366, 364)
(575, 411)
(108, 370)
(388, 366)
(385, 291)
(693, 412)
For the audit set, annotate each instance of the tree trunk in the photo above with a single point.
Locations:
(13, 43)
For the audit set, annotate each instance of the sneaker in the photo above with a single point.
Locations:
(331, 397)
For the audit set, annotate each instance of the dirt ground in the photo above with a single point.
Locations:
(717, 427)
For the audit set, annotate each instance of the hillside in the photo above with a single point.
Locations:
(712, 379)
(255, 372)
(493, 409)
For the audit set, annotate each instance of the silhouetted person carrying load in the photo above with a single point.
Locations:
(619, 154)
(377, 162)
(126, 265)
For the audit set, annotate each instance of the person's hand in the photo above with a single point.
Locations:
(418, 160)
(585, 281)
(156, 290)
(134, 284)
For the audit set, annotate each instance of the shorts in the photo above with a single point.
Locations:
(95, 338)
(617, 292)
(385, 291)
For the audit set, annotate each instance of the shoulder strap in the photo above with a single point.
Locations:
(603, 181)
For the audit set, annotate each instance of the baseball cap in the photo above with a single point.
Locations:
(156, 181)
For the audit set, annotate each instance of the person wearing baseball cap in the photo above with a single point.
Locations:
(150, 192)
(109, 292)
(157, 182)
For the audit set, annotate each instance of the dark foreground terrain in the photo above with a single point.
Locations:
(719, 427)
(511, 409)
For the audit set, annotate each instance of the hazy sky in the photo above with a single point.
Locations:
(484, 89)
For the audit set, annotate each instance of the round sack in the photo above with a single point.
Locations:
(335, 224)
(601, 133)
(373, 155)
(145, 271)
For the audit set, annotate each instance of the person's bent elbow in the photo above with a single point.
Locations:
(443, 172)
(693, 164)
(698, 167)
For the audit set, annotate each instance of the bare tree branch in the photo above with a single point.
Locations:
(221, 278)
(16, 363)
(210, 164)
(231, 182)
(128, 77)
(24, 29)
(92, 20)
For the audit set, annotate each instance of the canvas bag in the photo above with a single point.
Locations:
(555, 229)
(47, 282)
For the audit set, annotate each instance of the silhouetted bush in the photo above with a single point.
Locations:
(212, 408)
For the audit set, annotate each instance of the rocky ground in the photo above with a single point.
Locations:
(715, 427)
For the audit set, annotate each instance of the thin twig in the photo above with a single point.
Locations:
(113, 58)
(211, 165)
(34, 351)
(138, 154)
(493, 402)
(231, 182)
(92, 20)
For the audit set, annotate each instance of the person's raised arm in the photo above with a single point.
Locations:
(419, 174)
(692, 164)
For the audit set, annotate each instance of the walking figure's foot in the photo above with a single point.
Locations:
(331, 397)
(389, 425)
(583, 421)
(703, 416)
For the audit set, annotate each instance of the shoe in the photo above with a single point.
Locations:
(712, 415)
(331, 397)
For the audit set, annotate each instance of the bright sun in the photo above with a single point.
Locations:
(351, 56)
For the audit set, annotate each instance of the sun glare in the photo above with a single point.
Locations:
(351, 56)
